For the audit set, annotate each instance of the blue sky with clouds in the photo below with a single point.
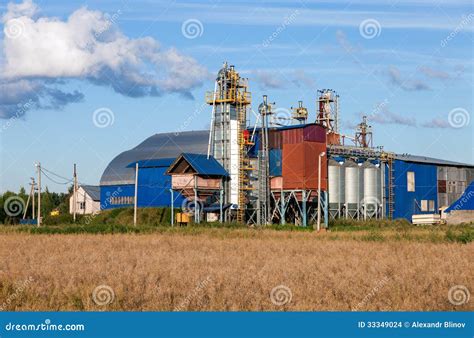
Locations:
(143, 67)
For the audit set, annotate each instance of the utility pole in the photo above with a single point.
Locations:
(33, 188)
(74, 194)
(136, 196)
(263, 203)
(38, 166)
(28, 201)
(319, 189)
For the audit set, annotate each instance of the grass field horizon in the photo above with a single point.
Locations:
(209, 268)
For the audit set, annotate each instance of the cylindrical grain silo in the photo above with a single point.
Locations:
(353, 188)
(336, 189)
(371, 199)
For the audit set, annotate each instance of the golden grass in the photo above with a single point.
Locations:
(231, 270)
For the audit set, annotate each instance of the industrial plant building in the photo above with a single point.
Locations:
(281, 170)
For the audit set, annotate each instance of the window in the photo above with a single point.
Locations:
(424, 205)
(451, 187)
(410, 181)
(427, 205)
(124, 200)
(82, 205)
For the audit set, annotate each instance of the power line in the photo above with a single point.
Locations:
(53, 173)
(53, 180)
(68, 180)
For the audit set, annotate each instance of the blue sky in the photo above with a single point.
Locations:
(406, 64)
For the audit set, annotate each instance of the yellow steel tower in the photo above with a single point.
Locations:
(228, 137)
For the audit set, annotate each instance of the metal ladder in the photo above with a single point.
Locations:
(244, 161)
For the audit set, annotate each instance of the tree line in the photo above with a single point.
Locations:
(13, 205)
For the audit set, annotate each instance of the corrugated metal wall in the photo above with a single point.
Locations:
(275, 162)
(309, 133)
(153, 190)
(275, 139)
(153, 187)
(107, 192)
(407, 202)
(452, 182)
(300, 165)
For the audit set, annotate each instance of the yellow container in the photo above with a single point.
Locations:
(182, 217)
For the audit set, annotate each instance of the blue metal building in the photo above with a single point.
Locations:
(414, 183)
(423, 185)
(154, 156)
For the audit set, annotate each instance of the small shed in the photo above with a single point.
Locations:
(200, 179)
(190, 172)
(87, 200)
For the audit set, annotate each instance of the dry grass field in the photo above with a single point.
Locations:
(229, 270)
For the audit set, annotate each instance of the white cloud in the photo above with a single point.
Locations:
(434, 73)
(15, 10)
(302, 79)
(89, 46)
(386, 116)
(271, 14)
(437, 123)
(269, 79)
(396, 78)
(283, 78)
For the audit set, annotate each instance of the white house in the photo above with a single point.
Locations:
(87, 200)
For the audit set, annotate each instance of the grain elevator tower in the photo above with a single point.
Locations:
(228, 142)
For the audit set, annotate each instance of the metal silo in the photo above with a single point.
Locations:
(372, 190)
(353, 189)
(336, 190)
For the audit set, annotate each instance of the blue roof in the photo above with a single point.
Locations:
(291, 126)
(430, 160)
(465, 202)
(203, 165)
(152, 163)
